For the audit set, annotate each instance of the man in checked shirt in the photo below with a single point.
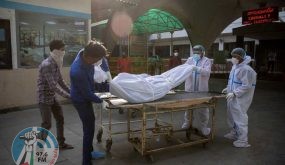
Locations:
(50, 82)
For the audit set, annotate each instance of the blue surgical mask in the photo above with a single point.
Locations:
(196, 57)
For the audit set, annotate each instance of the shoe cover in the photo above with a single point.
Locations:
(206, 131)
(230, 136)
(185, 125)
(241, 144)
(97, 155)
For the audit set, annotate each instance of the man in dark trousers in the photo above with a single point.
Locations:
(50, 82)
(82, 94)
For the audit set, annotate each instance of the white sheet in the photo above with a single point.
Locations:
(139, 88)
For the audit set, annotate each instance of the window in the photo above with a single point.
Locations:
(2, 34)
(184, 50)
(36, 30)
(162, 51)
(5, 45)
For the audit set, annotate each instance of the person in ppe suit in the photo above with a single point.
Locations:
(240, 90)
(198, 82)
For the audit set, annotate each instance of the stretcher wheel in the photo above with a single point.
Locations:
(136, 140)
(99, 135)
(108, 145)
(196, 131)
(149, 158)
(135, 149)
(204, 145)
(121, 111)
(188, 134)
(168, 138)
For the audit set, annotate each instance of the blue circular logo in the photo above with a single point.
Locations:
(35, 146)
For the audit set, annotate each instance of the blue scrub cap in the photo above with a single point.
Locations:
(239, 51)
(199, 48)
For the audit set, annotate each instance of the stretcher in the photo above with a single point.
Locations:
(146, 132)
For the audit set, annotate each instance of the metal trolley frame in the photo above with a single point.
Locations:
(151, 127)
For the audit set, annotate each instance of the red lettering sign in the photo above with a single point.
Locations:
(262, 15)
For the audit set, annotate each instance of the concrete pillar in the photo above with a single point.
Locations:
(171, 43)
(221, 44)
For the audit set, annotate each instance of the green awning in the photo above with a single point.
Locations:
(156, 21)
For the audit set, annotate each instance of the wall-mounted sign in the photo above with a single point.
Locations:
(262, 15)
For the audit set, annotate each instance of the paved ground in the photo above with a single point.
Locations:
(266, 135)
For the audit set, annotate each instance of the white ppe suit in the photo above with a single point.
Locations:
(198, 82)
(241, 82)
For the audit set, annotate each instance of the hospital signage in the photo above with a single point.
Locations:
(258, 16)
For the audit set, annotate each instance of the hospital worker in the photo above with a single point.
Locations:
(240, 90)
(198, 82)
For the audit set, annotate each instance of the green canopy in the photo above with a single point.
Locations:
(156, 21)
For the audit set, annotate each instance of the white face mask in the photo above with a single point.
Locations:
(98, 63)
(58, 55)
(176, 54)
(235, 61)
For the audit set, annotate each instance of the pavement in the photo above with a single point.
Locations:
(266, 134)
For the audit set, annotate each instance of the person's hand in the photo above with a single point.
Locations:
(30, 139)
(105, 104)
(199, 69)
(224, 90)
(230, 96)
(196, 69)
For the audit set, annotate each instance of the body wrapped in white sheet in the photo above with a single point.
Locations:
(139, 88)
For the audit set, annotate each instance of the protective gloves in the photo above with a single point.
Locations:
(230, 96)
(224, 90)
(196, 68)
(105, 104)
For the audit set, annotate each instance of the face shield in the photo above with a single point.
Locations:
(198, 50)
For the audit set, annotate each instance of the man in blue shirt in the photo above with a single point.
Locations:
(82, 93)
